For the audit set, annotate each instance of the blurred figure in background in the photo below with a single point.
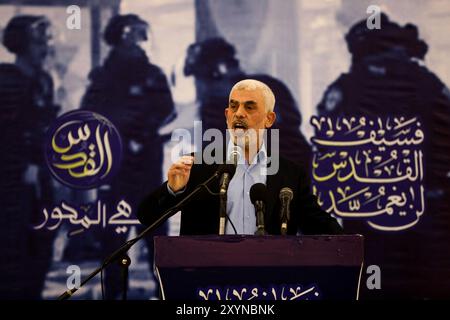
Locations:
(387, 78)
(26, 111)
(134, 95)
(213, 64)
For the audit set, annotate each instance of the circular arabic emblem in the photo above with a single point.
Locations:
(83, 149)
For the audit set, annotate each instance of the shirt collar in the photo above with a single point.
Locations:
(261, 156)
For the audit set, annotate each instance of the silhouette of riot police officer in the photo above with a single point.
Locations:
(134, 95)
(27, 110)
(388, 78)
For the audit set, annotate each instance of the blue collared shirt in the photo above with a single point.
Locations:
(239, 207)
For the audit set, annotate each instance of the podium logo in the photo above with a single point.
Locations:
(256, 292)
(83, 149)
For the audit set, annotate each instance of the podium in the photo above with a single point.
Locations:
(259, 267)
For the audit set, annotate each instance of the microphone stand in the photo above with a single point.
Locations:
(121, 253)
(222, 213)
(260, 211)
(225, 181)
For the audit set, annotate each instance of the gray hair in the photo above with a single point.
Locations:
(251, 84)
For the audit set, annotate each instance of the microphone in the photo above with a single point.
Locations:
(286, 196)
(227, 171)
(258, 193)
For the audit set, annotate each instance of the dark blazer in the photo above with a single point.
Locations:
(200, 216)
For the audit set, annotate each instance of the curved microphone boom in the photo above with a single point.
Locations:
(119, 253)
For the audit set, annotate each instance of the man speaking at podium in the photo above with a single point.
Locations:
(250, 110)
